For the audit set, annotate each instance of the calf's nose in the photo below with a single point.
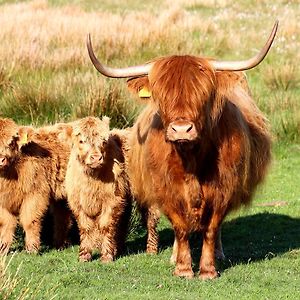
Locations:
(96, 157)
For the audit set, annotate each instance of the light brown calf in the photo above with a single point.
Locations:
(97, 187)
(32, 168)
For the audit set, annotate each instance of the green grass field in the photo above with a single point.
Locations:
(261, 243)
(46, 76)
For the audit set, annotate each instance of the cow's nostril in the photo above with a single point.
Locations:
(182, 128)
(2, 160)
(189, 128)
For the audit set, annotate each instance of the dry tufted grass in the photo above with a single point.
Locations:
(46, 75)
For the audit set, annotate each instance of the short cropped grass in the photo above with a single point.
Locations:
(261, 244)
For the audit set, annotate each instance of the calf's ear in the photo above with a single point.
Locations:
(140, 86)
(24, 136)
(106, 121)
(65, 133)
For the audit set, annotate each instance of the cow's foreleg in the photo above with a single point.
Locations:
(182, 252)
(183, 266)
(210, 236)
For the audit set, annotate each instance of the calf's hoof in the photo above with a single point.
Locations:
(106, 258)
(32, 249)
(4, 248)
(84, 257)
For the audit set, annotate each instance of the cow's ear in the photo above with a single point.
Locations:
(140, 86)
(24, 135)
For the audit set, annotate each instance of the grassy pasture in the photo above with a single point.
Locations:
(46, 76)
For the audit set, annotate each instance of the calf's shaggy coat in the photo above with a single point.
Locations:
(32, 172)
(97, 187)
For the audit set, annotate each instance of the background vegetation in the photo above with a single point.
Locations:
(46, 76)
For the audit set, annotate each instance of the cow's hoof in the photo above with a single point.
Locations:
(186, 273)
(206, 275)
(151, 250)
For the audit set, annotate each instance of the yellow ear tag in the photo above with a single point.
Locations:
(24, 140)
(144, 93)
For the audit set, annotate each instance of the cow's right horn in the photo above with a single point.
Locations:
(250, 63)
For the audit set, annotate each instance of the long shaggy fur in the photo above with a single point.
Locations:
(31, 178)
(197, 183)
(98, 188)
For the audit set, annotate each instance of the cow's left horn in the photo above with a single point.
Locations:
(116, 73)
(250, 63)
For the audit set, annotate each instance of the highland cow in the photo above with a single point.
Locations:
(199, 148)
(32, 172)
(97, 187)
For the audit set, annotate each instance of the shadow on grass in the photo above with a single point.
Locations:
(259, 237)
(250, 238)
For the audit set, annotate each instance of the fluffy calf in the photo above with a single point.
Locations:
(32, 171)
(97, 187)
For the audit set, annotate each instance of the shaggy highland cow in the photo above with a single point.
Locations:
(32, 172)
(199, 148)
(97, 187)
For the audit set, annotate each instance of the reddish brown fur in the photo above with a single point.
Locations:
(97, 187)
(197, 183)
(33, 176)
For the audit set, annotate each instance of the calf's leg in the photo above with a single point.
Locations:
(150, 217)
(87, 228)
(32, 212)
(8, 223)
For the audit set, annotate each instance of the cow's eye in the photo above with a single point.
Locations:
(81, 141)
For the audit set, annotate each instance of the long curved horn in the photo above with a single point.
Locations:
(250, 63)
(116, 73)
